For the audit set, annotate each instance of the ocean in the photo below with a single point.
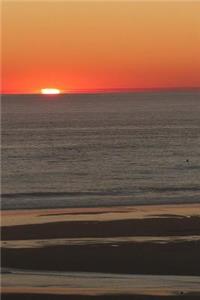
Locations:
(100, 149)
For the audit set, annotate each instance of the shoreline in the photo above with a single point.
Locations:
(104, 213)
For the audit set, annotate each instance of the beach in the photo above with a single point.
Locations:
(142, 252)
(100, 196)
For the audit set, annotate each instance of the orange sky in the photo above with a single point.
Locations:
(89, 45)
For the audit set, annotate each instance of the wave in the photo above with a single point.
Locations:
(51, 194)
(120, 191)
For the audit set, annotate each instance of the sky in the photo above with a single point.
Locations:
(99, 45)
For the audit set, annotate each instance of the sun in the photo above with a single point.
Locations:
(50, 91)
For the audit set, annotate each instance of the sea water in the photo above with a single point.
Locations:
(100, 149)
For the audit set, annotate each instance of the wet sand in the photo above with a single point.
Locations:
(41, 216)
(165, 226)
(21, 296)
(181, 258)
(91, 283)
(141, 240)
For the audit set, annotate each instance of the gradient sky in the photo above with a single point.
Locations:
(89, 45)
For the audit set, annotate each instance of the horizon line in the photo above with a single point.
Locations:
(111, 91)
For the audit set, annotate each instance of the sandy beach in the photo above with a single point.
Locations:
(104, 297)
(156, 241)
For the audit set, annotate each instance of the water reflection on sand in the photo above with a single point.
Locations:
(97, 283)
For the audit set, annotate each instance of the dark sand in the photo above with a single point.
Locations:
(168, 258)
(166, 226)
(174, 258)
(104, 297)
(182, 258)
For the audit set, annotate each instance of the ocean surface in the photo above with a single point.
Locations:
(100, 150)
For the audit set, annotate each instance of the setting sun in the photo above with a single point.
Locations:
(50, 91)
